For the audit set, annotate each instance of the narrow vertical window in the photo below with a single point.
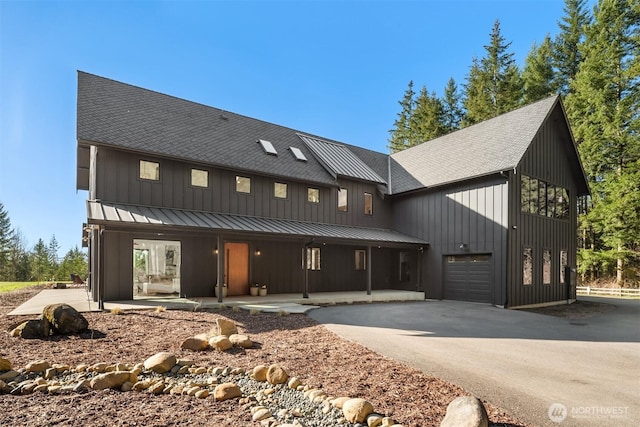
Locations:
(313, 258)
(405, 267)
(280, 190)
(551, 200)
(542, 198)
(525, 194)
(527, 266)
(149, 170)
(361, 259)
(342, 200)
(534, 190)
(368, 204)
(563, 265)
(546, 267)
(243, 184)
(313, 195)
(199, 178)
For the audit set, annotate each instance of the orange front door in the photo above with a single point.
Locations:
(236, 268)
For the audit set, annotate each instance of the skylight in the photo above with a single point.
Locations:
(298, 154)
(267, 147)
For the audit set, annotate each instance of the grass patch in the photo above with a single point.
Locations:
(12, 286)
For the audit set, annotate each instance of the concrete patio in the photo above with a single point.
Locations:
(80, 299)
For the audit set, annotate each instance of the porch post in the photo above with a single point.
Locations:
(220, 279)
(369, 264)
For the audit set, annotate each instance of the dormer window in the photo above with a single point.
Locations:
(268, 147)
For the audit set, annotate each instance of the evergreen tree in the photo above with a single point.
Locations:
(566, 53)
(427, 119)
(18, 267)
(74, 262)
(452, 113)
(603, 107)
(40, 262)
(494, 84)
(538, 75)
(401, 135)
(5, 241)
(52, 250)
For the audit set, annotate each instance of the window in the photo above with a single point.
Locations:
(551, 200)
(243, 184)
(542, 198)
(368, 204)
(361, 259)
(199, 178)
(156, 267)
(267, 146)
(342, 200)
(149, 170)
(525, 193)
(298, 154)
(562, 203)
(313, 195)
(313, 258)
(546, 267)
(533, 188)
(527, 266)
(563, 265)
(405, 267)
(280, 190)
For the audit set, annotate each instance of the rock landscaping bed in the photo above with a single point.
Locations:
(81, 379)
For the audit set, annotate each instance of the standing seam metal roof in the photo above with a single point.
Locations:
(103, 212)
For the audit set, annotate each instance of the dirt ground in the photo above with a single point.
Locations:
(306, 349)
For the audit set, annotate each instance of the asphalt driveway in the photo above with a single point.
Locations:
(524, 362)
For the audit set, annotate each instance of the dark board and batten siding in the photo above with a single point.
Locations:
(549, 159)
(118, 181)
(472, 214)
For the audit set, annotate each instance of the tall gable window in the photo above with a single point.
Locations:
(199, 178)
(280, 190)
(313, 195)
(342, 200)
(368, 204)
(243, 184)
(149, 170)
(542, 198)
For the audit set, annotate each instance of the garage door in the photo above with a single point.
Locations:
(468, 278)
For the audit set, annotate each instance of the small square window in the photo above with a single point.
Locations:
(199, 178)
(368, 204)
(149, 170)
(280, 190)
(243, 184)
(361, 259)
(313, 195)
(342, 200)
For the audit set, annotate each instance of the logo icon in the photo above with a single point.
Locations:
(557, 412)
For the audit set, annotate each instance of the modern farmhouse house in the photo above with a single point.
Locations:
(182, 197)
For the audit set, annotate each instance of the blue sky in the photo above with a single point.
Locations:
(336, 69)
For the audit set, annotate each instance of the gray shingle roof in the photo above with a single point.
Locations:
(491, 146)
(117, 114)
(100, 213)
(340, 160)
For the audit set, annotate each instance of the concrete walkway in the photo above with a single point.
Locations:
(524, 362)
(80, 299)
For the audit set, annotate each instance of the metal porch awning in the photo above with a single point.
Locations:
(105, 213)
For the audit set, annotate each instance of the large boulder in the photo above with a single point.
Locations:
(276, 374)
(241, 340)
(220, 343)
(112, 380)
(357, 410)
(227, 391)
(161, 362)
(224, 327)
(5, 364)
(194, 343)
(39, 328)
(64, 319)
(465, 411)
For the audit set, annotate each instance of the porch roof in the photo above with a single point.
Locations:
(105, 213)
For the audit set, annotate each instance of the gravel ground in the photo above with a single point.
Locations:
(306, 349)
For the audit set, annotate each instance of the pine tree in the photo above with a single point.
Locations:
(5, 242)
(494, 84)
(538, 75)
(19, 268)
(452, 111)
(603, 107)
(52, 250)
(566, 53)
(401, 134)
(40, 263)
(74, 262)
(427, 119)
